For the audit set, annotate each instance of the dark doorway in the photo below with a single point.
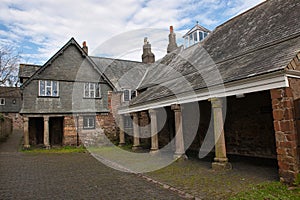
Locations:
(56, 130)
(36, 130)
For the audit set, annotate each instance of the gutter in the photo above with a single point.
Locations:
(273, 80)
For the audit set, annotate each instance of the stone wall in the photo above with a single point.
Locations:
(286, 132)
(5, 127)
(105, 126)
(17, 120)
(70, 131)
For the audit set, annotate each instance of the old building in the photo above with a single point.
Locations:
(10, 105)
(72, 99)
(235, 92)
(65, 98)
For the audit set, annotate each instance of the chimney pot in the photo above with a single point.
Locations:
(172, 41)
(147, 56)
(84, 47)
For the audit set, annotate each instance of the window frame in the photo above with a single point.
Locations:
(92, 89)
(86, 122)
(47, 86)
(130, 92)
(2, 101)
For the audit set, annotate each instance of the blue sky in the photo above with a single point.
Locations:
(37, 29)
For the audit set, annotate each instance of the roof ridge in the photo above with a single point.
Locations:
(117, 59)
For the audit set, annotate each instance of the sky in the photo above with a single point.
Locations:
(37, 29)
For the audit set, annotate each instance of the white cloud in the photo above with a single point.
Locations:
(49, 24)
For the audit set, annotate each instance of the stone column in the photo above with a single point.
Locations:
(46, 132)
(122, 134)
(154, 132)
(179, 141)
(136, 132)
(26, 132)
(220, 160)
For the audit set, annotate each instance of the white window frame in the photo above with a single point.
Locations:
(2, 101)
(92, 90)
(91, 122)
(49, 86)
(129, 96)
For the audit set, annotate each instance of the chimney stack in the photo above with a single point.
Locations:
(172, 41)
(85, 48)
(148, 56)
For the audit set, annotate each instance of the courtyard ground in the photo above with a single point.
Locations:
(44, 175)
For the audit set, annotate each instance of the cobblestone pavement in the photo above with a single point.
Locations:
(67, 176)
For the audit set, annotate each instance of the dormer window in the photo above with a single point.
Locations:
(195, 35)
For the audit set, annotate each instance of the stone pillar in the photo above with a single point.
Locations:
(220, 160)
(136, 132)
(285, 134)
(26, 133)
(122, 134)
(46, 132)
(154, 132)
(179, 141)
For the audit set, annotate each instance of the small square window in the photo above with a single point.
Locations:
(2, 101)
(128, 94)
(127, 122)
(89, 122)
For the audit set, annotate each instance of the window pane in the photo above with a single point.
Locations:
(54, 89)
(2, 101)
(196, 36)
(92, 90)
(98, 90)
(201, 36)
(89, 122)
(86, 90)
(48, 91)
(133, 94)
(205, 34)
(42, 88)
(126, 95)
(48, 83)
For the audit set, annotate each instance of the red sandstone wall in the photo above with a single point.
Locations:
(286, 133)
(70, 132)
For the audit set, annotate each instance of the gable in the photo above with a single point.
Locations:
(69, 65)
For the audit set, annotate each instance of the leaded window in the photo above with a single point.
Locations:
(92, 90)
(48, 88)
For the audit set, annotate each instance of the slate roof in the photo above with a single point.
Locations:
(13, 92)
(122, 73)
(27, 70)
(262, 40)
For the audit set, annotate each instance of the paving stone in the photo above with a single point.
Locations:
(68, 176)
